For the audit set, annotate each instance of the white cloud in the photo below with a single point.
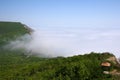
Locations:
(70, 42)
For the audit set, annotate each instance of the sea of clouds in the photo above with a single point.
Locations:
(68, 42)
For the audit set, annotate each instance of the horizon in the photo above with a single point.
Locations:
(88, 25)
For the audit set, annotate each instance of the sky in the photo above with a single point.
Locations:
(88, 25)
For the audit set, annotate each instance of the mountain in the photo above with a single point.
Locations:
(11, 30)
(15, 65)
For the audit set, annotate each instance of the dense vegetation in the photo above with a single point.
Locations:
(11, 30)
(16, 65)
(19, 67)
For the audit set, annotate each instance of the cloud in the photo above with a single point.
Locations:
(68, 42)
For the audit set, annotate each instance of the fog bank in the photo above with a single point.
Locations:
(68, 42)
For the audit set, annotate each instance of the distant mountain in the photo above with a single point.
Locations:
(11, 30)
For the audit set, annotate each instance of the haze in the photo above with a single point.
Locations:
(74, 26)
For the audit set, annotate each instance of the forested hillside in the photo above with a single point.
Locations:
(16, 65)
(11, 30)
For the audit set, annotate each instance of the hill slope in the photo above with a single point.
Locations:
(11, 30)
(15, 65)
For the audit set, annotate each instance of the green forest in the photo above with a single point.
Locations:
(15, 65)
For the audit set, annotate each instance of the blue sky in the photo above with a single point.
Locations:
(88, 25)
(67, 13)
